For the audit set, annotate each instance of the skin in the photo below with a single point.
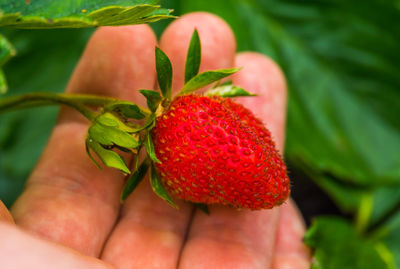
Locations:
(69, 215)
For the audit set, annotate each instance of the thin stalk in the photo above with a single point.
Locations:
(41, 99)
(76, 101)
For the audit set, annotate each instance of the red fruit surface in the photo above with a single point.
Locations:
(216, 151)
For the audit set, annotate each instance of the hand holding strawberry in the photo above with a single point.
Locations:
(69, 201)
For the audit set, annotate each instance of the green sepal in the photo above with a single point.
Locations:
(87, 141)
(153, 99)
(158, 187)
(135, 179)
(137, 158)
(228, 90)
(164, 73)
(150, 123)
(202, 207)
(108, 136)
(96, 132)
(126, 109)
(206, 78)
(148, 143)
(108, 119)
(108, 157)
(193, 57)
(133, 128)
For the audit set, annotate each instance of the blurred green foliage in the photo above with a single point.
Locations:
(341, 61)
(334, 237)
(79, 13)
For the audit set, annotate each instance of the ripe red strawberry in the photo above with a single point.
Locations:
(216, 151)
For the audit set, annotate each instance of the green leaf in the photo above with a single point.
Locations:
(228, 91)
(108, 136)
(135, 179)
(77, 14)
(337, 245)
(158, 188)
(205, 79)
(164, 73)
(193, 58)
(153, 99)
(148, 143)
(6, 52)
(387, 238)
(385, 203)
(108, 157)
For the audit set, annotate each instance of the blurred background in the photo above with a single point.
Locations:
(342, 63)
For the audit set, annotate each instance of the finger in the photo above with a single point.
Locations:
(19, 249)
(242, 239)
(263, 77)
(150, 233)
(117, 62)
(67, 199)
(5, 215)
(290, 252)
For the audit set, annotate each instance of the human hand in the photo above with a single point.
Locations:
(69, 201)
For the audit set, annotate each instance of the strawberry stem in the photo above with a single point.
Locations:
(76, 101)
